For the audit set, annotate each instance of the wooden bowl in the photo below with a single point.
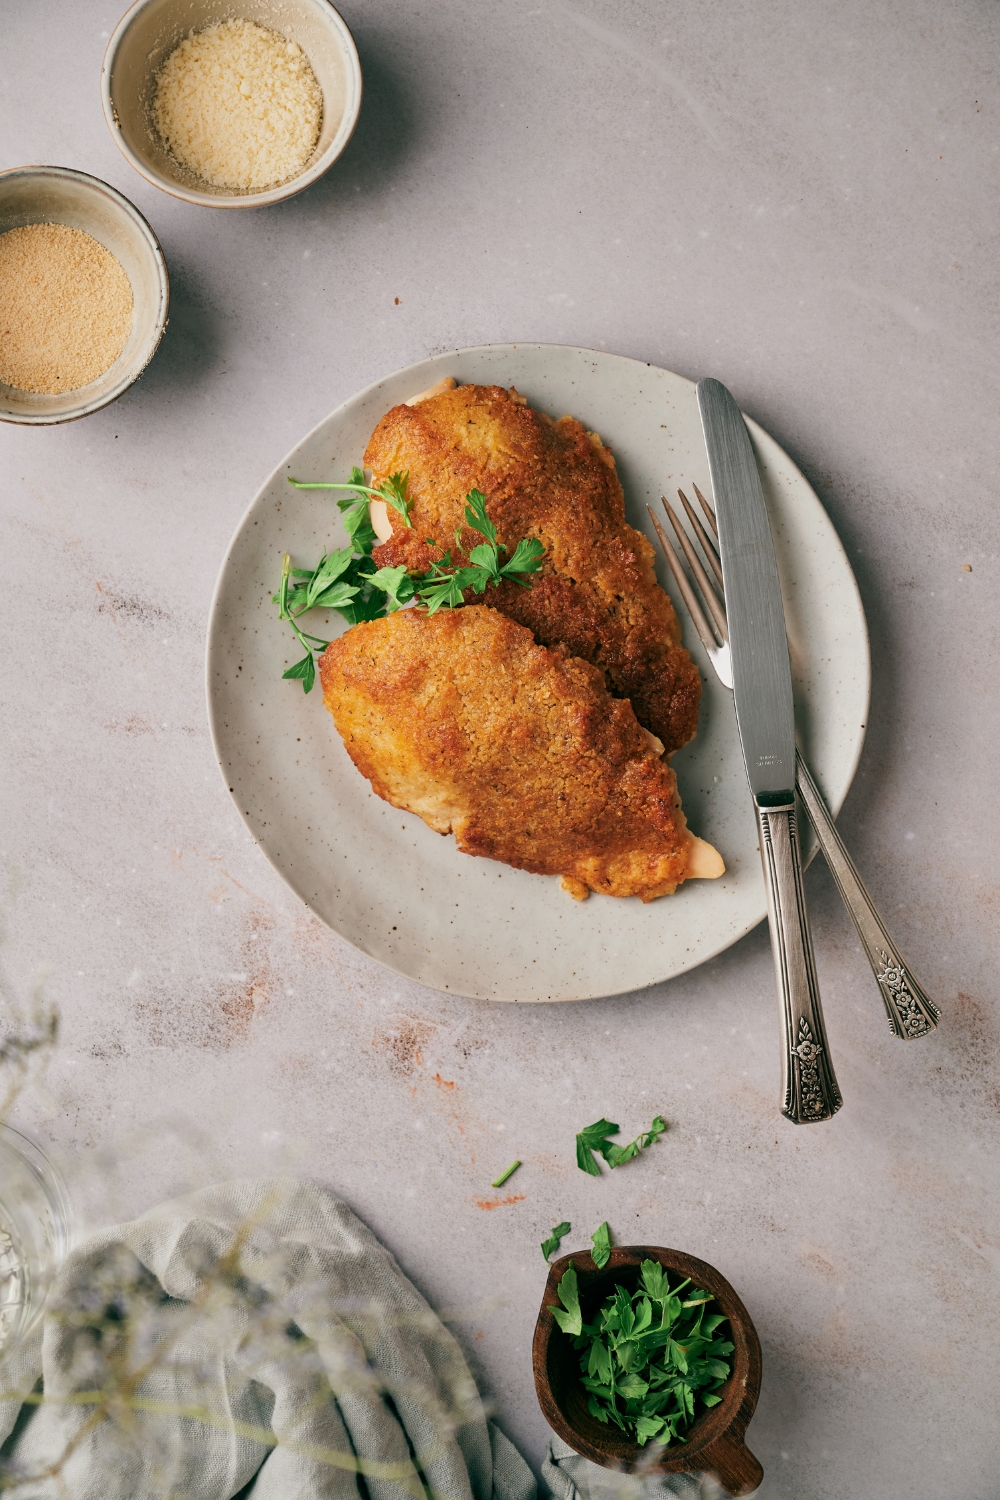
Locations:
(714, 1443)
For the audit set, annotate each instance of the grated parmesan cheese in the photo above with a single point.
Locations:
(238, 105)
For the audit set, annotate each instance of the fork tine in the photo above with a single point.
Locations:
(701, 577)
(688, 594)
(709, 512)
(708, 551)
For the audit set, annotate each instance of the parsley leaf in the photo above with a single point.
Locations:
(393, 492)
(619, 1154)
(329, 570)
(594, 1138)
(647, 1427)
(358, 524)
(527, 558)
(476, 517)
(655, 1280)
(396, 584)
(304, 670)
(440, 589)
(485, 557)
(601, 1240)
(570, 1321)
(558, 1234)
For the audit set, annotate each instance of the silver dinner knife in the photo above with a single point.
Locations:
(762, 687)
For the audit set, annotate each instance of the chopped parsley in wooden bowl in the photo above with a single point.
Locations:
(611, 1341)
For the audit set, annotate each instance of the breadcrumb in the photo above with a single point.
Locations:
(65, 308)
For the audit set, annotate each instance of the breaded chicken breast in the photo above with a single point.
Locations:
(597, 591)
(517, 749)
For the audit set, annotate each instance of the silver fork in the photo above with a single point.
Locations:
(911, 1013)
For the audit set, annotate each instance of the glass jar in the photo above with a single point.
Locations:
(34, 1234)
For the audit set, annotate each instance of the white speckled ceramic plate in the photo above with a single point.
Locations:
(405, 895)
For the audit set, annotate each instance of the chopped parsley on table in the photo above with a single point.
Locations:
(601, 1241)
(594, 1139)
(558, 1234)
(499, 1181)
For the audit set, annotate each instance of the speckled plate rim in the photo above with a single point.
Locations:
(621, 974)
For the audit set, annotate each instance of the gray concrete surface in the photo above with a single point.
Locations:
(799, 198)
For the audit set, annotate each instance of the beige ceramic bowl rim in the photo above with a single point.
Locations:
(129, 210)
(277, 194)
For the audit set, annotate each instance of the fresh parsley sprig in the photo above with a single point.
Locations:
(349, 582)
(343, 579)
(391, 490)
(303, 671)
(651, 1357)
(444, 585)
(594, 1139)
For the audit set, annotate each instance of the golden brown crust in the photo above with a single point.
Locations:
(597, 591)
(516, 748)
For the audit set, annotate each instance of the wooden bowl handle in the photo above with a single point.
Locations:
(732, 1463)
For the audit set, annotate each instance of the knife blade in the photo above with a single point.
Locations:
(762, 677)
(765, 715)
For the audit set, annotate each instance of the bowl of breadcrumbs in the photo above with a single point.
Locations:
(84, 294)
(232, 108)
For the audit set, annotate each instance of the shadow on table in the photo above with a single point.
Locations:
(388, 134)
(189, 350)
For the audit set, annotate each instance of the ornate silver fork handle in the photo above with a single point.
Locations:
(911, 1013)
(809, 1087)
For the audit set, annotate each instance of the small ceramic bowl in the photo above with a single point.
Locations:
(714, 1444)
(149, 32)
(58, 195)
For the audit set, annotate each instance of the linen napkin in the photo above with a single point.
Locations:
(571, 1477)
(254, 1331)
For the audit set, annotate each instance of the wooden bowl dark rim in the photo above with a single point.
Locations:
(715, 1442)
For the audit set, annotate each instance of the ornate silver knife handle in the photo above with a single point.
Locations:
(911, 1013)
(809, 1083)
